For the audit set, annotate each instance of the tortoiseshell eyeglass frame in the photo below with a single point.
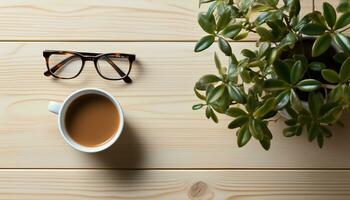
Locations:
(85, 56)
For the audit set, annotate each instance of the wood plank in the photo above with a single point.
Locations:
(193, 185)
(161, 131)
(99, 20)
(117, 20)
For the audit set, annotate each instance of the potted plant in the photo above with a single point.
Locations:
(301, 67)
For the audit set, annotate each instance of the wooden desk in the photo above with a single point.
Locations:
(167, 151)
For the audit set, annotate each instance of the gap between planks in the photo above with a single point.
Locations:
(121, 41)
(185, 169)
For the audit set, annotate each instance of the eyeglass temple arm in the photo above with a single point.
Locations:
(126, 78)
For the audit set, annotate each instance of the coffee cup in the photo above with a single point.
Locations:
(89, 120)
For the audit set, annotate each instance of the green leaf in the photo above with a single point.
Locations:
(343, 20)
(241, 36)
(295, 101)
(224, 19)
(232, 71)
(232, 31)
(218, 64)
(263, 17)
(211, 8)
(235, 94)
(290, 110)
(330, 75)
(320, 140)
(282, 99)
(309, 85)
(208, 112)
(342, 41)
(313, 29)
(265, 143)
(340, 57)
(336, 94)
(329, 14)
(278, 28)
(294, 8)
(321, 44)
(268, 106)
(200, 87)
(209, 78)
(246, 76)
(343, 6)
(248, 53)
(235, 112)
(282, 70)
(266, 131)
(289, 40)
(291, 131)
(197, 106)
(238, 122)
(263, 49)
(317, 66)
(291, 122)
(243, 136)
(213, 116)
(199, 95)
(265, 35)
(297, 72)
(204, 43)
(332, 115)
(325, 131)
(256, 63)
(244, 5)
(209, 89)
(315, 103)
(305, 20)
(272, 85)
(207, 22)
(318, 18)
(346, 92)
(216, 93)
(345, 70)
(225, 46)
(252, 102)
(313, 132)
(255, 129)
(327, 107)
(272, 56)
(222, 104)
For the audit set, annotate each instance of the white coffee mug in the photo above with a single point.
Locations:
(61, 108)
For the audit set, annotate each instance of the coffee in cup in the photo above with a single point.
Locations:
(90, 120)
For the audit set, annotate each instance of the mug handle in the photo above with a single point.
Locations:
(54, 107)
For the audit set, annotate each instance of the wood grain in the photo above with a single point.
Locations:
(174, 185)
(161, 130)
(103, 20)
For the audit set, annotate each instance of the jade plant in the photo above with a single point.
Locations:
(300, 68)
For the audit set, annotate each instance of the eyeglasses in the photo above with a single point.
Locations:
(69, 64)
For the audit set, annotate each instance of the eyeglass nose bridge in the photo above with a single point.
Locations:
(90, 58)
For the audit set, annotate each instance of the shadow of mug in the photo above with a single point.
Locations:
(125, 153)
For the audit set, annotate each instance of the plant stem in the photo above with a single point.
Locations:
(288, 23)
(344, 30)
(313, 5)
(328, 86)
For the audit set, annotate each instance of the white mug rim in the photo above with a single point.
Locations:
(65, 104)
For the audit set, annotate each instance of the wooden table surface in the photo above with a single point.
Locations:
(167, 151)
